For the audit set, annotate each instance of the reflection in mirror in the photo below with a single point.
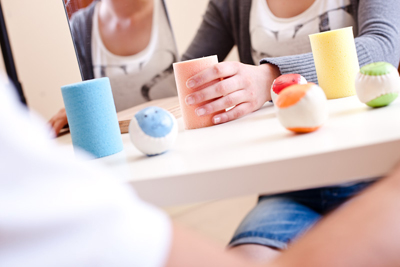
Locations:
(129, 41)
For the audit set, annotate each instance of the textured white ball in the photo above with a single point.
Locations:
(302, 108)
(377, 84)
(284, 81)
(153, 130)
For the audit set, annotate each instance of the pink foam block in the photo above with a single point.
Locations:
(183, 71)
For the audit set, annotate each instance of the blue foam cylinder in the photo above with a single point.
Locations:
(92, 117)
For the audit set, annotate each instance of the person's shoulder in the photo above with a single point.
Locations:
(231, 2)
(237, 2)
(83, 15)
(232, 5)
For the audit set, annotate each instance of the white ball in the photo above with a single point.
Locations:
(284, 81)
(377, 84)
(153, 130)
(302, 108)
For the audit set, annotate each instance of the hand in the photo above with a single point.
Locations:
(244, 87)
(58, 121)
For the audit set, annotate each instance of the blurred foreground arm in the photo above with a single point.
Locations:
(365, 232)
(189, 249)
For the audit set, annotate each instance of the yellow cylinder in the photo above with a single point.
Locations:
(336, 61)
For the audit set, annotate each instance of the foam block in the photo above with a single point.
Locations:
(183, 71)
(336, 61)
(92, 117)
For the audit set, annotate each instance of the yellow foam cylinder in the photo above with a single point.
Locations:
(336, 61)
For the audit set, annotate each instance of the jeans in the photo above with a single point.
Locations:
(279, 219)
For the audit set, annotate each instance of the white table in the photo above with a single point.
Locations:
(255, 154)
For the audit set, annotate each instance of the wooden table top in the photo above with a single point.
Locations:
(171, 104)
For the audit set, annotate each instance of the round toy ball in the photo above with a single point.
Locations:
(302, 108)
(377, 84)
(153, 130)
(285, 81)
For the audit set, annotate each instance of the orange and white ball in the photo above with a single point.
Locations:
(302, 108)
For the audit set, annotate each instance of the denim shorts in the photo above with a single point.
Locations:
(279, 219)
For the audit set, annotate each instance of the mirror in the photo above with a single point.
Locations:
(42, 50)
(129, 41)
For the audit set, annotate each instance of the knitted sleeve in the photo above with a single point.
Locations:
(378, 40)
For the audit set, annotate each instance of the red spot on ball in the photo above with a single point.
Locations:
(287, 80)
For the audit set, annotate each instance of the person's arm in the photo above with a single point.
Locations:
(214, 36)
(378, 40)
(190, 249)
(364, 232)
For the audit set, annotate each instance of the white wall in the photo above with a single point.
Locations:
(43, 51)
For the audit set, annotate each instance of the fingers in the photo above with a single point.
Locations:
(222, 103)
(58, 121)
(57, 126)
(233, 114)
(216, 90)
(220, 70)
(243, 88)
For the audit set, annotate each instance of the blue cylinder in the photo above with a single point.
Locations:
(92, 117)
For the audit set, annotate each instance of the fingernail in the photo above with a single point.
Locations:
(190, 83)
(217, 120)
(190, 100)
(200, 111)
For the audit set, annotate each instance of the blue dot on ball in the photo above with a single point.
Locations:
(155, 121)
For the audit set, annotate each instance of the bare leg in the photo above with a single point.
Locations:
(257, 253)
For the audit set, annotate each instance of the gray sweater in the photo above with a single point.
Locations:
(81, 24)
(226, 23)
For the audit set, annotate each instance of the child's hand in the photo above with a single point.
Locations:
(58, 121)
(244, 86)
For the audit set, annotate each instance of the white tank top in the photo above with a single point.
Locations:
(274, 37)
(141, 77)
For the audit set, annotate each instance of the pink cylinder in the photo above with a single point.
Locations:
(183, 71)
